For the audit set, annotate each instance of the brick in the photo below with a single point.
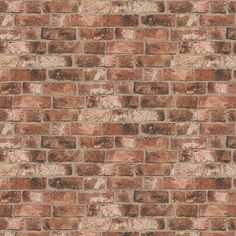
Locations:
(66, 183)
(27, 48)
(54, 61)
(65, 7)
(151, 197)
(59, 197)
(187, 211)
(14, 6)
(119, 20)
(217, 129)
(151, 88)
(60, 115)
(69, 211)
(6, 211)
(160, 34)
(33, 210)
(27, 183)
(210, 210)
(217, 20)
(161, 48)
(60, 223)
(213, 183)
(120, 47)
(153, 61)
(144, 6)
(147, 224)
(212, 75)
(69, 102)
(94, 224)
(94, 48)
(231, 33)
(27, 75)
(153, 169)
(117, 118)
(66, 74)
(31, 129)
(188, 34)
(58, 142)
(124, 183)
(97, 142)
(158, 20)
(177, 183)
(97, 33)
(85, 20)
(156, 210)
(211, 101)
(124, 74)
(63, 47)
(59, 33)
(32, 20)
(29, 102)
(125, 156)
(119, 129)
(10, 34)
(95, 61)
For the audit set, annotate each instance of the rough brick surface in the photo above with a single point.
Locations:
(117, 117)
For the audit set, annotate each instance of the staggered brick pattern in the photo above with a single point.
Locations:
(117, 118)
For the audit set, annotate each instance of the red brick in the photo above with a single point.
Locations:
(153, 61)
(85, 20)
(32, 20)
(63, 47)
(119, 20)
(60, 223)
(66, 74)
(121, 47)
(214, 101)
(187, 211)
(14, 6)
(125, 156)
(27, 183)
(177, 183)
(69, 102)
(69, 211)
(117, 118)
(160, 34)
(32, 129)
(63, 6)
(33, 210)
(58, 142)
(213, 183)
(188, 34)
(29, 102)
(97, 33)
(158, 20)
(161, 48)
(120, 129)
(124, 183)
(59, 197)
(212, 75)
(219, 210)
(217, 20)
(27, 75)
(66, 183)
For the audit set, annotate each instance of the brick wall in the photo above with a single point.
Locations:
(117, 118)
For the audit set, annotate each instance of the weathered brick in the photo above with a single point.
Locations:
(58, 33)
(117, 118)
(62, 7)
(32, 20)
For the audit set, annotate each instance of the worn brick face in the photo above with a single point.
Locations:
(117, 117)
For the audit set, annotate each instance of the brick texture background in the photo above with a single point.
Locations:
(117, 118)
